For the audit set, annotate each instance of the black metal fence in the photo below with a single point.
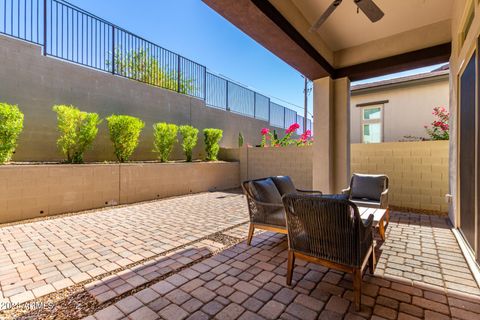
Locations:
(70, 33)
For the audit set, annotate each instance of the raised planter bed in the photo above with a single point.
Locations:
(35, 190)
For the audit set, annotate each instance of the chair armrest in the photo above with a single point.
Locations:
(346, 191)
(270, 205)
(259, 211)
(366, 227)
(309, 191)
(384, 199)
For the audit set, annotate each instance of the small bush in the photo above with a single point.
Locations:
(11, 125)
(77, 129)
(240, 140)
(212, 138)
(189, 140)
(124, 133)
(165, 136)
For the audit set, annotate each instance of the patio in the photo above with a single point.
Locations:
(154, 260)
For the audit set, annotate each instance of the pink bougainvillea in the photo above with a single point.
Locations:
(305, 138)
(439, 129)
(294, 127)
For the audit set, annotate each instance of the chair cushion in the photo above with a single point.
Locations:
(284, 184)
(367, 186)
(265, 191)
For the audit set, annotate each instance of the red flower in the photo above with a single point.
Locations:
(265, 131)
(292, 128)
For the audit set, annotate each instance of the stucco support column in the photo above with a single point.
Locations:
(331, 128)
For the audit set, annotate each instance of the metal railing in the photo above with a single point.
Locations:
(70, 33)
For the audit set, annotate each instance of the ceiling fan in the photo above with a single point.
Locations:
(369, 8)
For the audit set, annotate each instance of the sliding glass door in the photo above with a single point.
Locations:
(467, 147)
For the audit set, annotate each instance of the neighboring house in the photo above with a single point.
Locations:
(389, 110)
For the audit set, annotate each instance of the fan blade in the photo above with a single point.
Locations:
(325, 15)
(371, 10)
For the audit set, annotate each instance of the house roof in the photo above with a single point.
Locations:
(440, 73)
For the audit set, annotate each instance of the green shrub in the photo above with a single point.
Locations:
(124, 133)
(11, 125)
(212, 138)
(240, 140)
(165, 136)
(77, 129)
(189, 140)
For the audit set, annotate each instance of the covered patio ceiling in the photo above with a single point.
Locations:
(413, 33)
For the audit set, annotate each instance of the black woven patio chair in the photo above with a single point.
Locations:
(265, 207)
(329, 232)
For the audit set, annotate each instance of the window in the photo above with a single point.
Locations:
(372, 124)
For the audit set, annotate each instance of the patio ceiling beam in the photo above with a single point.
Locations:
(273, 14)
(402, 62)
(265, 24)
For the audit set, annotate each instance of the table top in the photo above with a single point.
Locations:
(378, 214)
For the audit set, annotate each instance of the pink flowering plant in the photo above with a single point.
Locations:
(265, 136)
(287, 139)
(439, 128)
(305, 139)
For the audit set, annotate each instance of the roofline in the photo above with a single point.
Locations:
(422, 77)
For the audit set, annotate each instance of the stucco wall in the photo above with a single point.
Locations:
(30, 191)
(35, 83)
(418, 171)
(408, 110)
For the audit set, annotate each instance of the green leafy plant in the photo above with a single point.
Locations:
(189, 140)
(165, 136)
(78, 130)
(240, 140)
(212, 138)
(11, 125)
(143, 66)
(124, 133)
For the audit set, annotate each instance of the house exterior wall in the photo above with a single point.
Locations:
(35, 83)
(408, 110)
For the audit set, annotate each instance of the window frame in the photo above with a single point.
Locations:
(364, 121)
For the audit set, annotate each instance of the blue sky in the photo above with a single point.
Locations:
(192, 29)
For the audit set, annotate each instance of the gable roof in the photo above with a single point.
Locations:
(435, 75)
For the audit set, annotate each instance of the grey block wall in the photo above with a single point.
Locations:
(35, 83)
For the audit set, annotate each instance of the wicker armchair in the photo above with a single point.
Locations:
(329, 232)
(265, 207)
(369, 190)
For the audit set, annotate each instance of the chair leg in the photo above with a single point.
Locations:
(251, 229)
(290, 266)
(372, 261)
(381, 228)
(357, 288)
